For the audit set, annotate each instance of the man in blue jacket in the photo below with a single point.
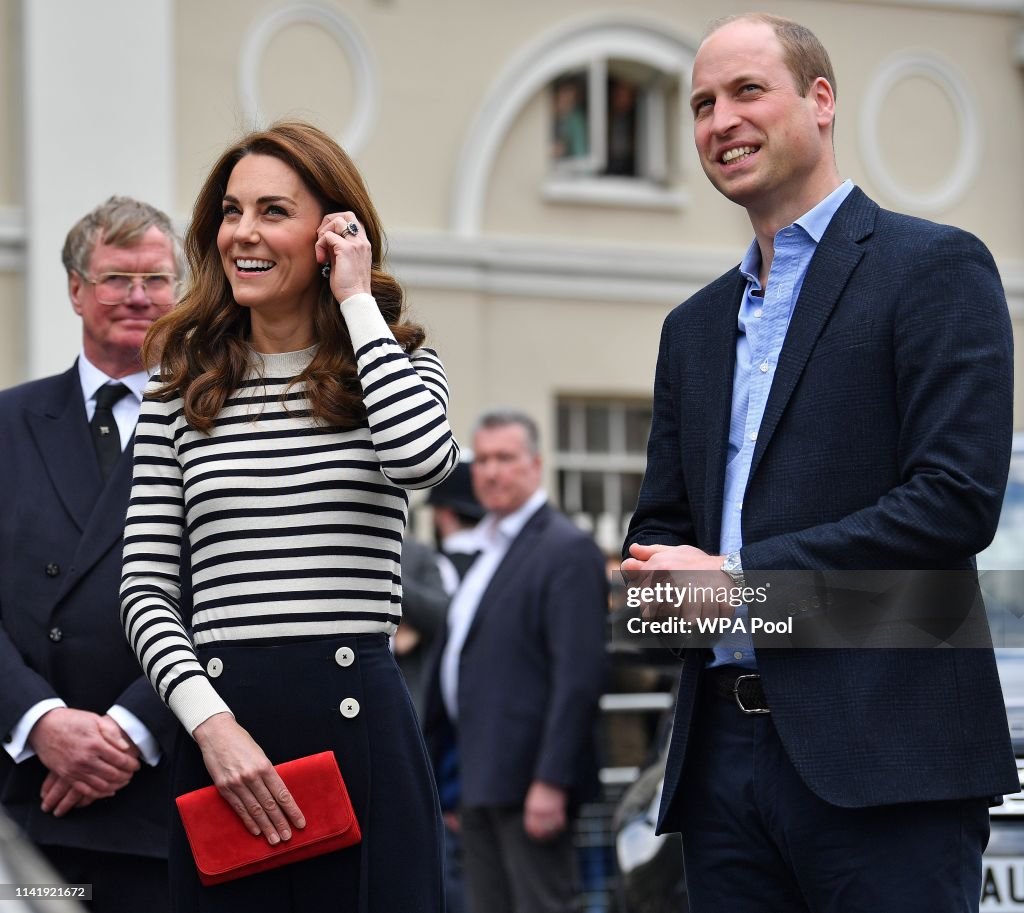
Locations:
(841, 400)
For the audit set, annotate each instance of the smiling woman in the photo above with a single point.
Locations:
(290, 414)
(265, 242)
(277, 186)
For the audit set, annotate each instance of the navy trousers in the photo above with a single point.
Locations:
(288, 697)
(757, 840)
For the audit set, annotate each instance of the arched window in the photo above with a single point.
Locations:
(612, 119)
(614, 87)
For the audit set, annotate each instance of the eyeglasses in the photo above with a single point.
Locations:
(114, 288)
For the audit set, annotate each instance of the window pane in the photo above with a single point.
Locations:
(638, 427)
(569, 491)
(570, 129)
(597, 429)
(564, 438)
(623, 106)
(593, 493)
(630, 491)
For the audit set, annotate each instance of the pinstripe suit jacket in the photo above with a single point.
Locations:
(885, 443)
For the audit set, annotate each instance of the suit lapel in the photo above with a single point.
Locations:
(720, 363)
(105, 525)
(837, 255)
(61, 436)
(510, 568)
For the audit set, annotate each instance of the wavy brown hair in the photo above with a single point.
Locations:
(202, 345)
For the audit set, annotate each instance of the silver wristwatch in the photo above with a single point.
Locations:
(734, 568)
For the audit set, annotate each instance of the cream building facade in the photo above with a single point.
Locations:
(542, 278)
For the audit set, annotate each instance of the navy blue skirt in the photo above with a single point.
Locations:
(288, 696)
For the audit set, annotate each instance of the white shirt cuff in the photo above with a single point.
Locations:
(137, 731)
(16, 743)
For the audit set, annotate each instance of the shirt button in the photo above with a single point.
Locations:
(56, 635)
(753, 435)
(758, 313)
(737, 655)
(52, 570)
(764, 367)
(215, 667)
(344, 656)
(349, 708)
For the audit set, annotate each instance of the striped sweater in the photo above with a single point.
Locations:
(295, 527)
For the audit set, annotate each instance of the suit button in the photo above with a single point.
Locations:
(349, 708)
(344, 656)
(56, 635)
(52, 570)
(214, 667)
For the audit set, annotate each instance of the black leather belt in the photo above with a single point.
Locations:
(738, 685)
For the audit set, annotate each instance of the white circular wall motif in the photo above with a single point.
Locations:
(344, 32)
(965, 165)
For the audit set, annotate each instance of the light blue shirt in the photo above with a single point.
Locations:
(761, 331)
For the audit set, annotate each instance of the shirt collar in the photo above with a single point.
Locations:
(512, 525)
(814, 222)
(92, 378)
(463, 540)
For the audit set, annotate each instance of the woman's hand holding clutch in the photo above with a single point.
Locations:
(246, 779)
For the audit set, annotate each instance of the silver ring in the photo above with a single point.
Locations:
(351, 229)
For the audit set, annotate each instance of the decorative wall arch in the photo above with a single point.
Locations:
(345, 33)
(942, 74)
(563, 48)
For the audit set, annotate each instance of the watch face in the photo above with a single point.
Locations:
(733, 567)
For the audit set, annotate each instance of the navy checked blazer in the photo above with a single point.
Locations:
(885, 444)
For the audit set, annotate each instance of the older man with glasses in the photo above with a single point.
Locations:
(83, 732)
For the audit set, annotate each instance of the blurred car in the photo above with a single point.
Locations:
(22, 866)
(1003, 875)
(1001, 568)
(651, 868)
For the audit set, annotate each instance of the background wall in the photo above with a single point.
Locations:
(540, 288)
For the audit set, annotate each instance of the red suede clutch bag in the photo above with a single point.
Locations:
(225, 850)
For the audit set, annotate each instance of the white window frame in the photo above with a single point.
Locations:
(580, 179)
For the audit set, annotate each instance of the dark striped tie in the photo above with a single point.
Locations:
(105, 437)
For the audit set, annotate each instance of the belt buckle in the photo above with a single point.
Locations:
(739, 700)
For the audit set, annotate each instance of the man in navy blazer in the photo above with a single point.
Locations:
(83, 731)
(518, 678)
(842, 400)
